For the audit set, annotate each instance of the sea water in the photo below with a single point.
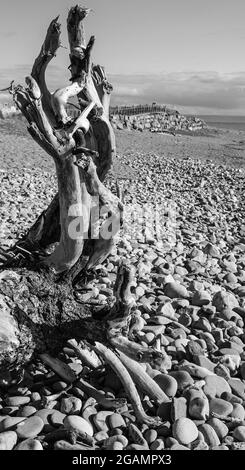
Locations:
(225, 122)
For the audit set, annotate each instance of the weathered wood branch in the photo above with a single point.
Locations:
(129, 386)
(143, 380)
(48, 51)
(61, 96)
(103, 87)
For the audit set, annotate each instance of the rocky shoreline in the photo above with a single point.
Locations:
(158, 122)
(190, 304)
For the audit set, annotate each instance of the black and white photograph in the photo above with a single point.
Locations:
(122, 231)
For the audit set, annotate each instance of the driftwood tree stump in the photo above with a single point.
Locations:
(38, 310)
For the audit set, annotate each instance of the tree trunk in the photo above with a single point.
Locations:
(98, 141)
(38, 310)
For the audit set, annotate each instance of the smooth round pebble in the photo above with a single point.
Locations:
(175, 290)
(8, 440)
(164, 430)
(167, 383)
(221, 447)
(209, 435)
(230, 278)
(158, 444)
(150, 435)
(59, 386)
(194, 348)
(10, 423)
(117, 446)
(57, 418)
(17, 401)
(231, 398)
(29, 444)
(70, 405)
(100, 420)
(201, 298)
(101, 436)
(237, 387)
(185, 431)
(149, 337)
(108, 442)
(89, 412)
(116, 421)
(223, 299)
(29, 428)
(183, 378)
(35, 397)
(76, 367)
(77, 423)
(199, 408)
(238, 412)
(170, 441)
(220, 406)
(45, 414)
(210, 391)
(220, 384)
(178, 408)
(239, 433)
(220, 428)
(27, 411)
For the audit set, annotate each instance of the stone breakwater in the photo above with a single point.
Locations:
(8, 111)
(158, 122)
(190, 303)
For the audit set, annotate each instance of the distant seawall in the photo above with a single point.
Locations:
(8, 111)
(154, 118)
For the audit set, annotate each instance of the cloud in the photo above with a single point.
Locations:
(201, 92)
(189, 92)
(56, 77)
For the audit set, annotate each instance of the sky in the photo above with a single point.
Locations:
(184, 53)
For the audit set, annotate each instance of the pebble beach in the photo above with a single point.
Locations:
(189, 296)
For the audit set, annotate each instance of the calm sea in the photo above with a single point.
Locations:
(225, 122)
